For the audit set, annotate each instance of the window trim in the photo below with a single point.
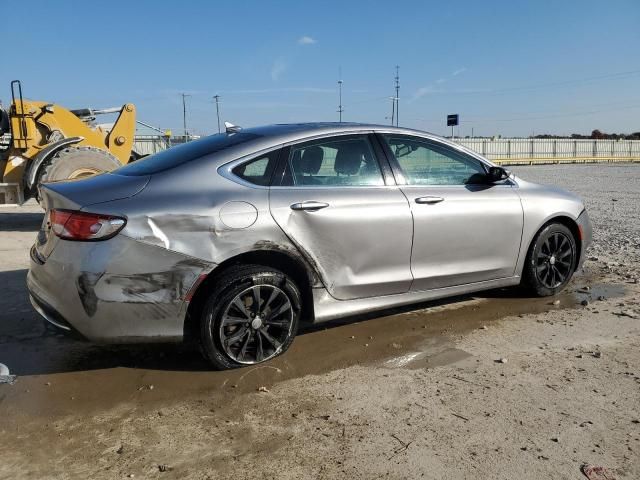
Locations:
(399, 172)
(269, 171)
(226, 170)
(378, 154)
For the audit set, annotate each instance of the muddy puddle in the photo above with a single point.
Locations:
(58, 376)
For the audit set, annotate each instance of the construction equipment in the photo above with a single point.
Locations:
(44, 142)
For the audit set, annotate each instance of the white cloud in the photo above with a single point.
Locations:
(278, 68)
(306, 40)
(422, 91)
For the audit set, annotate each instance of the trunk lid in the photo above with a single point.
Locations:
(82, 193)
(77, 195)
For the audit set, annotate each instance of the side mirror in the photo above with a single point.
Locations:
(497, 174)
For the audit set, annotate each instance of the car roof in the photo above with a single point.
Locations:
(284, 132)
(270, 136)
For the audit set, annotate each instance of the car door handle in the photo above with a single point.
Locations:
(429, 199)
(309, 206)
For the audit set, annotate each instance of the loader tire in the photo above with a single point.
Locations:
(76, 163)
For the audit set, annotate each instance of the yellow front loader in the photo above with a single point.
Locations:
(44, 142)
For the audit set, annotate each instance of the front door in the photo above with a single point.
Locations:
(465, 230)
(332, 202)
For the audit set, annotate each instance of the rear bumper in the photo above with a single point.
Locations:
(586, 235)
(116, 291)
(53, 318)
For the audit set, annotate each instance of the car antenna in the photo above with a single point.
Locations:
(231, 128)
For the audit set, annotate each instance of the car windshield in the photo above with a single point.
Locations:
(182, 154)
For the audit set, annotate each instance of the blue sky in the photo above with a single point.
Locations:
(507, 67)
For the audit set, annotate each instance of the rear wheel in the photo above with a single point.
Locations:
(551, 260)
(251, 316)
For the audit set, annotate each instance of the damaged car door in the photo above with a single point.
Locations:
(331, 199)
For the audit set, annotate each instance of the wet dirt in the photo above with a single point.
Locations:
(61, 376)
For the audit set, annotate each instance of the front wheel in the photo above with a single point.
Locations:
(551, 260)
(251, 316)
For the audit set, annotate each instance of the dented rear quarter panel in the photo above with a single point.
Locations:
(180, 210)
(178, 216)
(117, 290)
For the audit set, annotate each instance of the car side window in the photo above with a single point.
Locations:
(429, 163)
(333, 162)
(258, 170)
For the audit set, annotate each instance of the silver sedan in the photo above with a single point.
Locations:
(235, 239)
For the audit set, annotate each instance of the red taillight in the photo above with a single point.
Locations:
(192, 291)
(73, 225)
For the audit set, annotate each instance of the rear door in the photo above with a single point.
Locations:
(465, 230)
(338, 203)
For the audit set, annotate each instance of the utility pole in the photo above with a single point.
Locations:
(184, 115)
(340, 109)
(393, 110)
(217, 99)
(397, 101)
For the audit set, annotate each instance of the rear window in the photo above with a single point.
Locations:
(184, 153)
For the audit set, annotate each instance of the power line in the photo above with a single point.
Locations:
(567, 82)
(562, 115)
(470, 120)
(542, 86)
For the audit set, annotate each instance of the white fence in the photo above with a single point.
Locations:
(150, 144)
(500, 150)
(561, 150)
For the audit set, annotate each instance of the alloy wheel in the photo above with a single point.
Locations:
(256, 324)
(555, 260)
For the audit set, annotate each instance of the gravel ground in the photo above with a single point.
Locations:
(612, 196)
(433, 400)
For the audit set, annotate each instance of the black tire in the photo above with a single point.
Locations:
(551, 260)
(70, 162)
(241, 282)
